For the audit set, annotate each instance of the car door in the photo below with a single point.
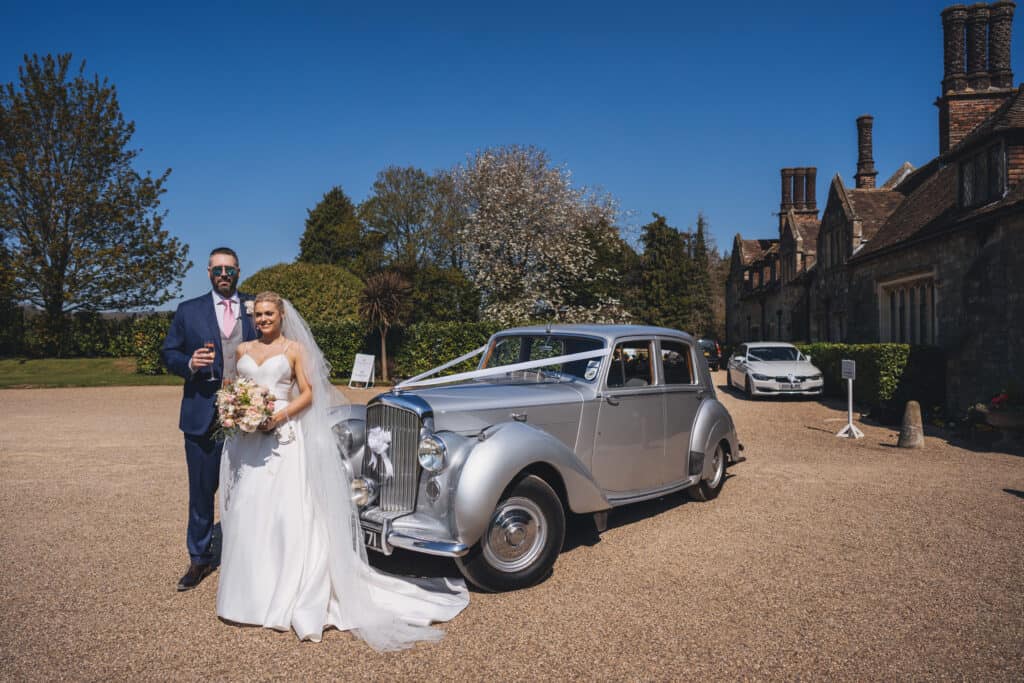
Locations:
(683, 396)
(629, 445)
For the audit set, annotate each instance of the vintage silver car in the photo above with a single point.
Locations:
(482, 466)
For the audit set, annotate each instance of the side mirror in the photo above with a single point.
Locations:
(739, 359)
(808, 358)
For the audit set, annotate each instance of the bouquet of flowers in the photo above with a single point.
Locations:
(242, 405)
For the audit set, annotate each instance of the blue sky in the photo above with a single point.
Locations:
(675, 108)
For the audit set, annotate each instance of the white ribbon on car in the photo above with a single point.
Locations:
(421, 381)
(379, 442)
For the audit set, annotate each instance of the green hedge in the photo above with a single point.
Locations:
(888, 375)
(148, 333)
(426, 345)
(341, 341)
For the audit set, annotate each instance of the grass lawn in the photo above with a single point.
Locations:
(76, 372)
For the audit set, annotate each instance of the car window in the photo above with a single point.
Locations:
(631, 365)
(704, 344)
(677, 362)
(512, 349)
(774, 353)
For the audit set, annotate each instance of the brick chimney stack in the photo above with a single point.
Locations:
(866, 172)
(1000, 25)
(812, 191)
(953, 20)
(976, 80)
(787, 190)
(977, 47)
(799, 185)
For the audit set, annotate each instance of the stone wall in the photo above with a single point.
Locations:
(979, 305)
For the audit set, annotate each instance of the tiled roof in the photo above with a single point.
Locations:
(809, 226)
(930, 210)
(1009, 115)
(872, 208)
(896, 178)
(752, 250)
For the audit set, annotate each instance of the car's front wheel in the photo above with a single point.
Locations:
(522, 540)
(747, 387)
(710, 487)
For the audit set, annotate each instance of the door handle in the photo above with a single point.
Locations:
(612, 401)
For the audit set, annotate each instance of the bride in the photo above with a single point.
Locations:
(292, 555)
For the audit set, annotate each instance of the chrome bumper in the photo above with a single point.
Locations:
(380, 536)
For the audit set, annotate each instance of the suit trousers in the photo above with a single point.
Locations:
(203, 456)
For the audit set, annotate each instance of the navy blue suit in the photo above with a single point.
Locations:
(194, 323)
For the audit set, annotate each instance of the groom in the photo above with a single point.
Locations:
(218, 317)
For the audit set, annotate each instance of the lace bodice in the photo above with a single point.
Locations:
(275, 373)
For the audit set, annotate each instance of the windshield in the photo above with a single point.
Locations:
(774, 353)
(508, 350)
(706, 345)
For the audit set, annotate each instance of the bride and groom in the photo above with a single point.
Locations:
(292, 556)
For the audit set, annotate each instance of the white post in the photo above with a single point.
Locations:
(850, 431)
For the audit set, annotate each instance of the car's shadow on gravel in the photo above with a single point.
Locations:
(581, 530)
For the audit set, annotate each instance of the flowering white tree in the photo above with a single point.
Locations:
(530, 236)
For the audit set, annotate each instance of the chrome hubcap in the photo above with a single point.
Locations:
(718, 462)
(516, 536)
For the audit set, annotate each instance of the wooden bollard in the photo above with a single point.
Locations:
(911, 433)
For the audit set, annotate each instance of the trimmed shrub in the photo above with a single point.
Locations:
(148, 333)
(340, 341)
(888, 375)
(427, 345)
(322, 293)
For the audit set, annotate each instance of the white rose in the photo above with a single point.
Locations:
(250, 306)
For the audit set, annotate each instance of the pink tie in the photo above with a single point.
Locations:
(227, 323)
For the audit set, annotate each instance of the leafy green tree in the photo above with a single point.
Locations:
(82, 227)
(321, 292)
(665, 271)
(703, 314)
(399, 211)
(383, 305)
(334, 235)
(441, 295)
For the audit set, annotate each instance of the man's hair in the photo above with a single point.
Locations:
(225, 250)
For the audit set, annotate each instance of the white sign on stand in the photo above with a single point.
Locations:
(850, 431)
(362, 370)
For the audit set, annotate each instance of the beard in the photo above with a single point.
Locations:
(224, 286)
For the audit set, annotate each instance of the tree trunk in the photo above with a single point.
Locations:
(383, 354)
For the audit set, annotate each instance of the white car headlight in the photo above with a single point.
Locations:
(761, 378)
(432, 452)
(815, 377)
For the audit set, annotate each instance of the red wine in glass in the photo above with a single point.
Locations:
(212, 348)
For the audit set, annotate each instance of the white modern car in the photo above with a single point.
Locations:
(773, 369)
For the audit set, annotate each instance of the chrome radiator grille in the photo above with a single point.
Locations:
(397, 494)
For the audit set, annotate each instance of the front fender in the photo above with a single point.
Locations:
(713, 424)
(493, 463)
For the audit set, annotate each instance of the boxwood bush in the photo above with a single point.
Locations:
(426, 345)
(888, 375)
(340, 341)
(148, 333)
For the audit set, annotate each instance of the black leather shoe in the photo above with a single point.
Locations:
(194, 576)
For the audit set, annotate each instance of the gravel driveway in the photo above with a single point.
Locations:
(821, 558)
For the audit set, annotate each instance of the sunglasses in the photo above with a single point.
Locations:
(218, 271)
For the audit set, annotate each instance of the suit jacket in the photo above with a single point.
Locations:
(195, 322)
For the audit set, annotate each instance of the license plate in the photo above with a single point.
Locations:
(372, 539)
(792, 386)
(707, 354)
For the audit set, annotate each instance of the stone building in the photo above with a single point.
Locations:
(934, 255)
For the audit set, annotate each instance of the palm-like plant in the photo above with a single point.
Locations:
(384, 304)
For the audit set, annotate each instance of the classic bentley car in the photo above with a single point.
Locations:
(484, 465)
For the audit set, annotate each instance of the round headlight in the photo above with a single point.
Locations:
(431, 453)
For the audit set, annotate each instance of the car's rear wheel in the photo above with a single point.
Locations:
(709, 488)
(522, 539)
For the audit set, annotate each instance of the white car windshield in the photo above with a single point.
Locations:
(773, 353)
(512, 349)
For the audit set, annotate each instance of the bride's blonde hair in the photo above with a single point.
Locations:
(272, 297)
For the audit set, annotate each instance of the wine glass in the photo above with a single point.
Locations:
(211, 346)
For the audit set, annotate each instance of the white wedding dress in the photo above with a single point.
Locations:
(278, 567)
